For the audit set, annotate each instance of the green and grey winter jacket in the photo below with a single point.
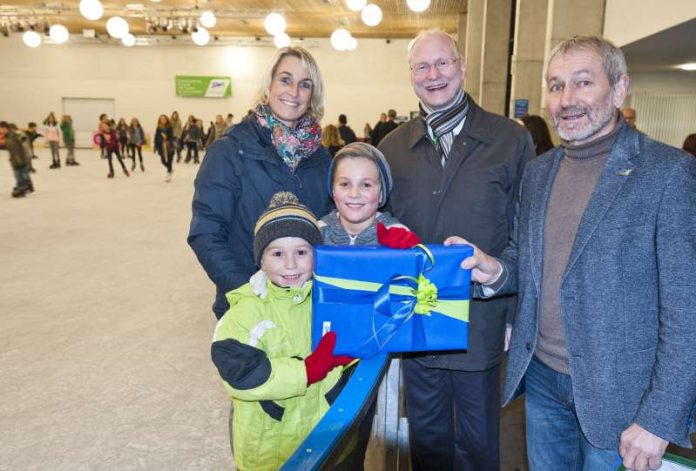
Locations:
(259, 347)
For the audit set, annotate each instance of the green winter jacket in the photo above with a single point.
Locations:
(68, 133)
(259, 348)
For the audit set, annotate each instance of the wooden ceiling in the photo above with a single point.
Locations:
(243, 18)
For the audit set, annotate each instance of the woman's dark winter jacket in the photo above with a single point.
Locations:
(238, 177)
(163, 135)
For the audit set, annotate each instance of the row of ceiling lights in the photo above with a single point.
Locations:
(274, 23)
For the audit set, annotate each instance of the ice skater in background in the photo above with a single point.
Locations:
(164, 144)
(262, 345)
(110, 140)
(52, 135)
(20, 158)
(136, 139)
(66, 127)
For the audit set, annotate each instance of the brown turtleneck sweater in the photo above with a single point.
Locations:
(572, 188)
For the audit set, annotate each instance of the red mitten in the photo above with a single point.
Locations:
(396, 237)
(321, 360)
(342, 360)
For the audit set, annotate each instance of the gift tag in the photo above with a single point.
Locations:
(325, 328)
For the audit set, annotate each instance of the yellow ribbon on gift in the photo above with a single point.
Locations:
(425, 294)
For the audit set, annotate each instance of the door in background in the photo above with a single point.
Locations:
(85, 115)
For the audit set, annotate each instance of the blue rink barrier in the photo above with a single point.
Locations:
(324, 444)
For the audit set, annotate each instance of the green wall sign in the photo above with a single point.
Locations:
(203, 87)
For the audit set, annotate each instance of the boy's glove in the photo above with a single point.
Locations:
(322, 360)
(396, 237)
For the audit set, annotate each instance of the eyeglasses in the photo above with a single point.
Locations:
(443, 66)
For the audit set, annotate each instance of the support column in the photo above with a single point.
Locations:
(461, 32)
(473, 48)
(528, 55)
(494, 55)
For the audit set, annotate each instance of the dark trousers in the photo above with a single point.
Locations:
(109, 153)
(454, 417)
(134, 148)
(191, 147)
(167, 158)
(21, 173)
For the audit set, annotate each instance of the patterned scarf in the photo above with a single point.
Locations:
(442, 123)
(292, 145)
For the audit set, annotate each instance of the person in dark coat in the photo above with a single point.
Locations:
(20, 159)
(384, 128)
(456, 170)
(540, 132)
(277, 148)
(165, 144)
(347, 134)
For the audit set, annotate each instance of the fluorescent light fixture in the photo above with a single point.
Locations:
(691, 66)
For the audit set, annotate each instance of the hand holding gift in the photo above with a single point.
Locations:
(484, 268)
(322, 360)
(396, 237)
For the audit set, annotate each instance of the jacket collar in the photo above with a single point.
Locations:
(475, 127)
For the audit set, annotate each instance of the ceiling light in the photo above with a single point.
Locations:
(275, 24)
(418, 5)
(59, 33)
(281, 40)
(352, 44)
(117, 27)
(200, 36)
(340, 39)
(91, 9)
(356, 5)
(208, 19)
(691, 66)
(128, 40)
(371, 15)
(31, 38)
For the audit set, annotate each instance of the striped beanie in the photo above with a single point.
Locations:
(367, 151)
(285, 217)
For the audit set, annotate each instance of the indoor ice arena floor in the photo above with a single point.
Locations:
(106, 327)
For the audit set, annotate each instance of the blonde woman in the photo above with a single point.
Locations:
(331, 139)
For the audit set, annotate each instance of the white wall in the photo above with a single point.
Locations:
(362, 83)
(626, 21)
(676, 82)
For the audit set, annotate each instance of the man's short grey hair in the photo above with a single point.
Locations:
(434, 32)
(613, 60)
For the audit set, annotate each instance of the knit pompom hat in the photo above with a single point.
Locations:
(367, 151)
(285, 217)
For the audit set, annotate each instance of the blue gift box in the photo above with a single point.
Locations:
(390, 300)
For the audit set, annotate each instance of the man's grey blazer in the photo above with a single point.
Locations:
(628, 294)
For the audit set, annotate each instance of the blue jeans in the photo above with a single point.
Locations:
(22, 177)
(554, 437)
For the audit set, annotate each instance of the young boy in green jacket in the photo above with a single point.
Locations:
(262, 345)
